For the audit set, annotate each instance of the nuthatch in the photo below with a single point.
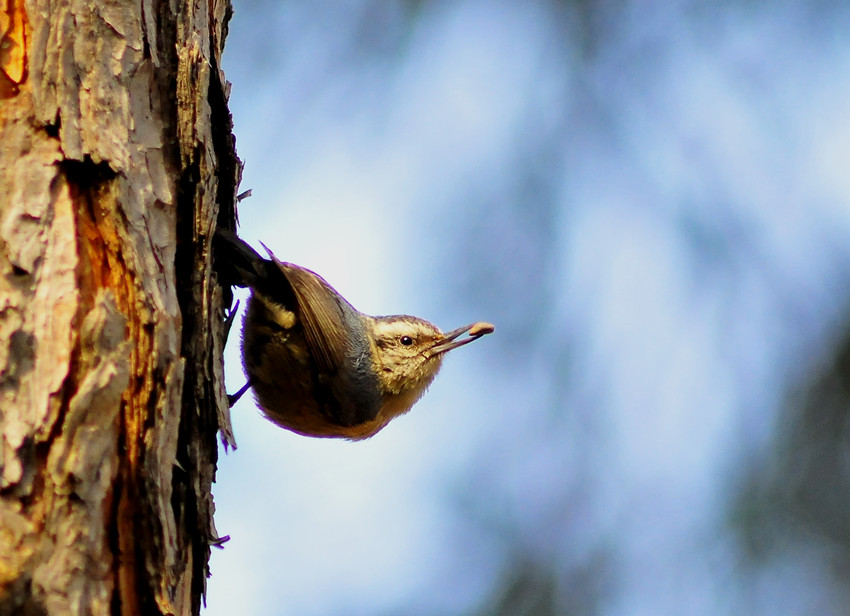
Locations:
(319, 367)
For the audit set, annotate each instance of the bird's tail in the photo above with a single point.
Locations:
(236, 262)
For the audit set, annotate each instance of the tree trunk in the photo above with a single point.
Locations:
(117, 163)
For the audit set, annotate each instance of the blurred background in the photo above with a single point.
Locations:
(651, 201)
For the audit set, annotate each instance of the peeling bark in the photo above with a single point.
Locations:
(117, 162)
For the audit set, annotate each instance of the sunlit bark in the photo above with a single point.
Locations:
(116, 157)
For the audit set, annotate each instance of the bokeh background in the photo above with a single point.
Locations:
(651, 201)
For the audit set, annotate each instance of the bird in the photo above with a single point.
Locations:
(318, 366)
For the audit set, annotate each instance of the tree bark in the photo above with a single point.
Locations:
(117, 162)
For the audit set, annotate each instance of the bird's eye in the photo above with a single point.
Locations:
(406, 340)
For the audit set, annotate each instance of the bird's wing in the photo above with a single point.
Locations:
(332, 331)
(322, 320)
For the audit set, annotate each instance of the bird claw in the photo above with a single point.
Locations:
(233, 398)
(228, 320)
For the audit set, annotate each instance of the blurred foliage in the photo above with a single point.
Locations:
(793, 506)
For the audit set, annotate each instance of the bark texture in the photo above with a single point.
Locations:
(116, 164)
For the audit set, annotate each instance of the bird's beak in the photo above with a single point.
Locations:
(450, 340)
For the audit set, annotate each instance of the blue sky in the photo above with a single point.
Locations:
(652, 205)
